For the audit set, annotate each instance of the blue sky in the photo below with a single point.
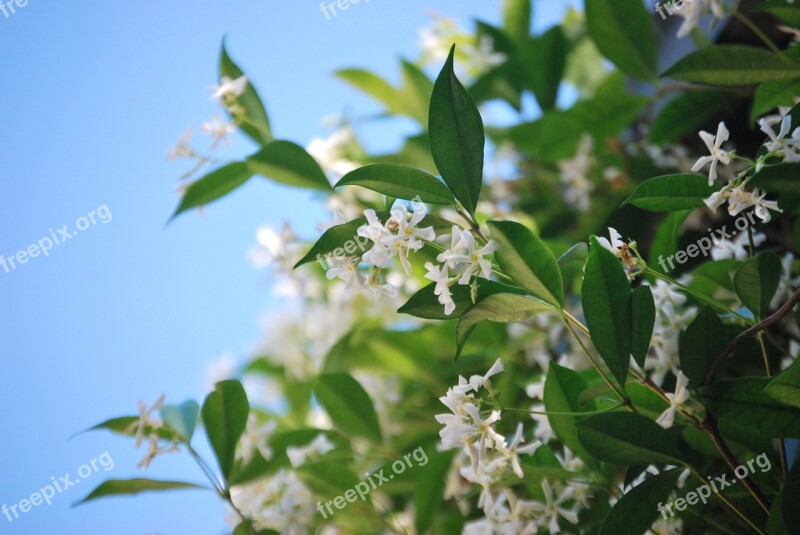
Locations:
(93, 95)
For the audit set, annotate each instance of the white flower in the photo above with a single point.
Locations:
(478, 381)
(318, 447)
(145, 421)
(346, 269)
(737, 247)
(406, 236)
(256, 439)
(615, 244)
(441, 276)
(677, 399)
(718, 155)
(575, 176)
(464, 256)
(182, 149)
(332, 152)
(510, 454)
(377, 289)
(789, 148)
(218, 130)
(552, 508)
(228, 88)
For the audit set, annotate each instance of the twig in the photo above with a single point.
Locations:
(751, 331)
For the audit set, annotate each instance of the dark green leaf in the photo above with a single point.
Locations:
(623, 32)
(770, 95)
(399, 181)
(424, 304)
(788, 13)
(743, 402)
(643, 314)
(756, 282)
(524, 257)
(636, 511)
(257, 124)
(429, 490)
(670, 193)
(543, 61)
(780, 178)
(627, 439)
(665, 242)
(457, 138)
(607, 307)
(119, 487)
(733, 65)
(290, 164)
(701, 344)
(786, 386)
(499, 308)
(348, 405)
(224, 415)
(214, 185)
(517, 19)
(562, 390)
(685, 114)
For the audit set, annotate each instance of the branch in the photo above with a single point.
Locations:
(752, 331)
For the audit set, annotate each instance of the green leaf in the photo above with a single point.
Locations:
(770, 95)
(700, 345)
(214, 185)
(636, 511)
(669, 193)
(400, 182)
(543, 60)
(457, 138)
(290, 164)
(425, 304)
(415, 96)
(562, 391)
(499, 308)
(224, 415)
(643, 315)
(127, 425)
(756, 282)
(374, 86)
(782, 9)
(119, 487)
(607, 306)
(328, 479)
(429, 489)
(517, 19)
(524, 257)
(780, 178)
(685, 114)
(571, 262)
(182, 418)
(786, 386)
(733, 65)
(628, 439)
(623, 32)
(790, 497)
(257, 124)
(348, 405)
(665, 242)
(743, 402)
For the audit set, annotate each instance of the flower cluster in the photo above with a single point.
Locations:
(475, 55)
(226, 94)
(486, 458)
(150, 426)
(736, 193)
